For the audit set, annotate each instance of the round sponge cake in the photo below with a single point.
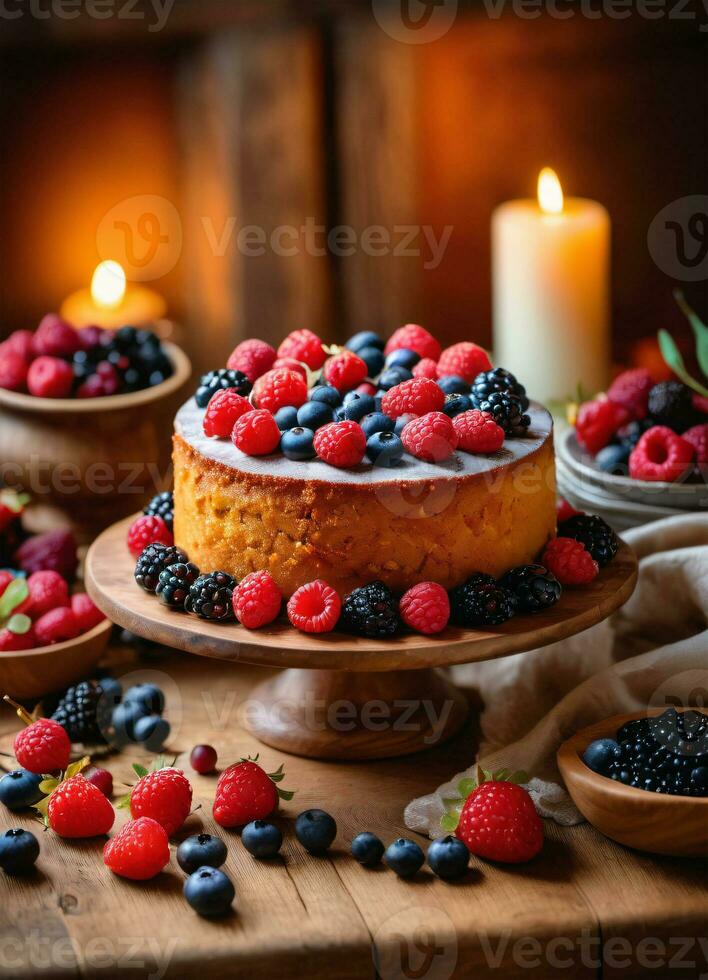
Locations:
(415, 522)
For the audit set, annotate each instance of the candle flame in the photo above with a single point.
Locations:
(550, 192)
(108, 285)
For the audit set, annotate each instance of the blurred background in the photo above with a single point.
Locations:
(211, 145)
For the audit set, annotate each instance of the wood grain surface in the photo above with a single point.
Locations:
(584, 908)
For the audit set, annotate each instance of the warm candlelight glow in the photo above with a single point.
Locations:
(550, 192)
(108, 285)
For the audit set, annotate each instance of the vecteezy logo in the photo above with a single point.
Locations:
(418, 943)
(415, 21)
(678, 238)
(144, 234)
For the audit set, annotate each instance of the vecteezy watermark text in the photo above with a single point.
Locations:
(155, 12)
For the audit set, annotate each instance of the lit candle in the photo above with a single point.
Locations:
(111, 302)
(551, 270)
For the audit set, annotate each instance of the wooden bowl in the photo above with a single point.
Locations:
(30, 674)
(676, 825)
(95, 459)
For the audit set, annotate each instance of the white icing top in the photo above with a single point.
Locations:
(188, 424)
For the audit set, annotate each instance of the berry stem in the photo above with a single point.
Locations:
(23, 715)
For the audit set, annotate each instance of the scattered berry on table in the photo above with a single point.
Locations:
(257, 600)
(416, 338)
(47, 590)
(497, 380)
(124, 719)
(327, 394)
(209, 892)
(112, 690)
(477, 432)
(456, 404)
(246, 792)
(54, 550)
(86, 612)
(392, 377)
(345, 371)
(402, 357)
(148, 696)
(50, 377)
(365, 338)
(13, 371)
(165, 795)
(139, 851)
(316, 830)
(661, 456)
(152, 731)
(286, 418)
(357, 404)
(81, 712)
(256, 433)
(597, 423)
(595, 533)
(55, 337)
(405, 857)
(419, 396)
(56, 626)
(426, 368)
(261, 839)
(175, 583)
(613, 459)
(253, 358)
(453, 384)
(146, 530)
(201, 851)
(211, 597)
(101, 779)
(474, 604)
(367, 849)
(340, 444)
(570, 561)
(305, 346)
(376, 422)
(77, 808)
(373, 358)
(630, 389)
(221, 380)
(371, 610)
(314, 607)
(431, 437)
(223, 411)
(697, 435)
(313, 415)
(153, 561)
(507, 410)
(42, 746)
(384, 449)
(20, 789)
(601, 755)
(279, 388)
(448, 858)
(499, 822)
(670, 404)
(464, 360)
(426, 608)
(19, 850)
(533, 587)
(203, 759)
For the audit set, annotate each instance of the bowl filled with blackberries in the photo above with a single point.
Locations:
(642, 779)
(87, 416)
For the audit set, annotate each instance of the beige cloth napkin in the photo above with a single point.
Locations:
(651, 653)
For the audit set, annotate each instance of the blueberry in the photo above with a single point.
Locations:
(402, 421)
(614, 459)
(365, 338)
(209, 891)
(367, 849)
(376, 422)
(313, 415)
(148, 695)
(601, 754)
(152, 731)
(357, 405)
(286, 418)
(404, 857)
(373, 358)
(378, 403)
(455, 404)
(339, 415)
(699, 780)
(448, 858)
(327, 394)
(315, 830)
(384, 449)
(19, 789)
(298, 443)
(402, 358)
(262, 839)
(452, 384)
(392, 377)
(201, 851)
(124, 719)
(112, 689)
(19, 850)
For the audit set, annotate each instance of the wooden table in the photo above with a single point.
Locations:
(584, 908)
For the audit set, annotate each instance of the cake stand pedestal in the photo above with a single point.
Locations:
(341, 696)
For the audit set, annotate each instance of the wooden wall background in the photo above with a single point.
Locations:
(272, 113)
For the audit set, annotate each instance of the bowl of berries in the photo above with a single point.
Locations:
(643, 781)
(86, 416)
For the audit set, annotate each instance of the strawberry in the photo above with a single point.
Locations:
(43, 746)
(139, 851)
(77, 808)
(246, 792)
(164, 794)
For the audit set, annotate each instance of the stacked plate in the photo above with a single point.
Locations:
(621, 501)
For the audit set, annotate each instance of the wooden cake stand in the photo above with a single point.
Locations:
(342, 696)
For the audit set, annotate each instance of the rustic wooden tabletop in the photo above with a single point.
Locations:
(585, 908)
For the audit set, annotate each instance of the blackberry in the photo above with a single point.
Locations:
(370, 611)
(596, 534)
(210, 596)
(218, 380)
(507, 410)
(81, 713)
(497, 380)
(163, 506)
(153, 560)
(671, 404)
(175, 582)
(481, 604)
(534, 586)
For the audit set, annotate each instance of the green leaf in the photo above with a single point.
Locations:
(19, 624)
(501, 774)
(47, 786)
(466, 786)
(76, 767)
(674, 359)
(519, 777)
(16, 592)
(452, 802)
(124, 802)
(699, 328)
(449, 822)
(14, 501)
(286, 794)
(139, 770)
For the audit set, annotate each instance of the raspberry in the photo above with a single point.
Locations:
(698, 438)
(431, 437)
(253, 358)
(77, 808)
(499, 822)
(417, 397)
(56, 626)
(257, 600)
(53, 549)
(279, 388)
(292, 365)
(564, 511)
(50, 377)
(478, 432)
(20, 342)
(570, 561)
(661, 455)
(42, 747)
(465, 360)
(47, 590)
(340, 444)
(164, 795)
(256, 433)
(12, 642)
(414, 337)
(223, 411)
(345, 371)
(139, 851)
(92, 387)
(13, 371)
(303, 345)
(426, 368)
(86, 612)
(597, 423)
(55, 337)
(631, 390)
(426, 608)
(146, 530)
(315, 607)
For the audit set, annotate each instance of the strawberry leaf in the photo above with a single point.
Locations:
(285, 794)
(47, 786)
(139, 770)
(76, 767)
(449, 822)
(519, 777)
(19, 624)
(16, 593)
(124, 802)
(673, 357)
(466, 786)
(700, 331)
